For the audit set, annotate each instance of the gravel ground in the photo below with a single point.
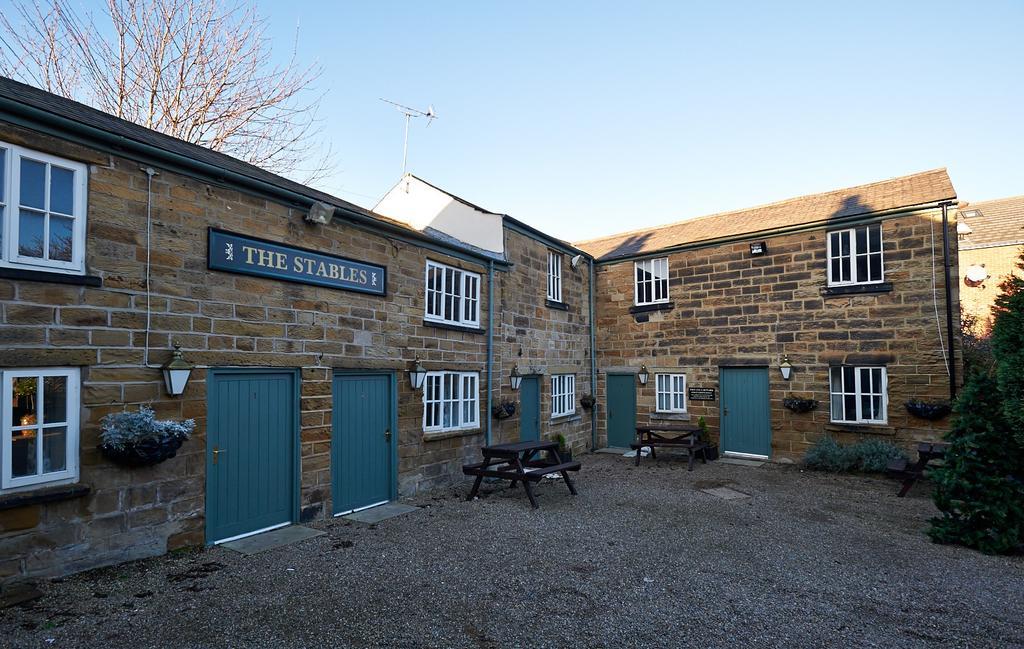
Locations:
(641, 558)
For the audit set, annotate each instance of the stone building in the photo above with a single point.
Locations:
(991, 242)
(847, 287)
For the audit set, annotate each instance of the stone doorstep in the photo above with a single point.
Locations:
(271, 540)
(380, 513)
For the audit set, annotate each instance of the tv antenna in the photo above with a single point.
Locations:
(409, 114)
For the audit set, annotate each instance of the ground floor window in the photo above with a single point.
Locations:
(40, 426)
(671, 391)
(451, 401)
(858, 394)
(563, 395)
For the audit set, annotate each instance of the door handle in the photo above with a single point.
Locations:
(217, 452)
(387, 435)
(725, 411)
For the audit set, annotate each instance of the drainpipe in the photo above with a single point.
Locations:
(490, 344)
(949, 301)
(593, 362)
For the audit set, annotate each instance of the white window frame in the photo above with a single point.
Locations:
(554, 276)
(858, 390)
(563, 395)
(10, 208)
(673, 388)
(460, 392)
(70, 472)
(659, 286)
(831, 255)
(463, 292)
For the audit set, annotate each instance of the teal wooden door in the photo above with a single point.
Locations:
(746, 420)
(362, 441)
(529, 409)
(621, 417)
(251, 437)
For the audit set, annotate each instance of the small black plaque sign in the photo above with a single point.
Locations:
(701, 394)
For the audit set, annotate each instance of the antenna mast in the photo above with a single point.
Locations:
(409, 114)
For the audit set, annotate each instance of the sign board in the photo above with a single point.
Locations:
(238, 253)
(701, 394)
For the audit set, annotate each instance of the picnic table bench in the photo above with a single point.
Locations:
(684, 437)
(926, 452)
(518, 462)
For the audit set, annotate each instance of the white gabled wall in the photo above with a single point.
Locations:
(422, 206)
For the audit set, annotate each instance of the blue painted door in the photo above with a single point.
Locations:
(746, 421)
(361, 443)
(621, 417)
(251, 439)
(529, 409)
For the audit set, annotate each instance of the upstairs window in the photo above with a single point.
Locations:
(452, 295)
(651, 281)
(671, 392)
(42, 211)
(450, 401)
(554, 276)
(858, 394)
(855, 255)
(563, 395)
(39, 437)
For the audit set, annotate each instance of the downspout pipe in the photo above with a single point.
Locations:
(490, 346)
(593, 362)
(949, 301)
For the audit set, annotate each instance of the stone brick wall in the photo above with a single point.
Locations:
(1000, 262)
(732, 309)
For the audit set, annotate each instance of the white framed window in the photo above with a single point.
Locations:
(451, 401)
(452, 295)
(858, 394)
(39, 441)
(563, 395)
(554, 276)
(651, 286)
(42, 211)
(671, 392)
(855, 255)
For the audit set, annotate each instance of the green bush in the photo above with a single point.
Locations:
(870, 456)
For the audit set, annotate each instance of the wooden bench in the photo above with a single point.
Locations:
(909, 473)
(671, 436)
(515, 462)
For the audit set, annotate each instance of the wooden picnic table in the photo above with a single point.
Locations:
(926, 452)
(682, 436)
(518, 462)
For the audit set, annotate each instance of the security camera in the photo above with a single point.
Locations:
(575, 261)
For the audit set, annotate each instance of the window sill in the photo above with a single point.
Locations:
(43, 495)
(452, 327)
(565, 419)
(861, 429)
(856, 289)
(551, 304)
(670, 416)
(647, 308)
(437, 436)
(26, 275)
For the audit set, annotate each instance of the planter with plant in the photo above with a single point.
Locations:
(564, 450)
(930, 410)
(140, 439)
(800, 404)
(711, 452)
(587, 401)
(503, 410)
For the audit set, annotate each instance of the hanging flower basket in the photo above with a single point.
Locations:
(139, 439)
(587, 401)
(799, 404)
(930, 410)
(503, 410)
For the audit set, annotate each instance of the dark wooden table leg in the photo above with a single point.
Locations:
(689, 459)
(520, 469)
(568, 482)
(476, 487)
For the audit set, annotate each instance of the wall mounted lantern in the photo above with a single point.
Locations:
(417, 374)
(515, 378)
(786, 368)
(758, 248)
(176, 372)
(643, 374)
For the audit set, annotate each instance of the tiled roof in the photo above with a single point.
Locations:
(904, 192)
(997, 222)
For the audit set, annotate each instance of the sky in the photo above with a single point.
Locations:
(585, 119)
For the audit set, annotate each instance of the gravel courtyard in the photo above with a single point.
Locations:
(640, 558)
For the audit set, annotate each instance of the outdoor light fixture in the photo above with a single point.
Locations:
(758, 248)
(643, 374)
(176, 372)
(417, 374)
(786, 368)
(515, 378)
(962, 228)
